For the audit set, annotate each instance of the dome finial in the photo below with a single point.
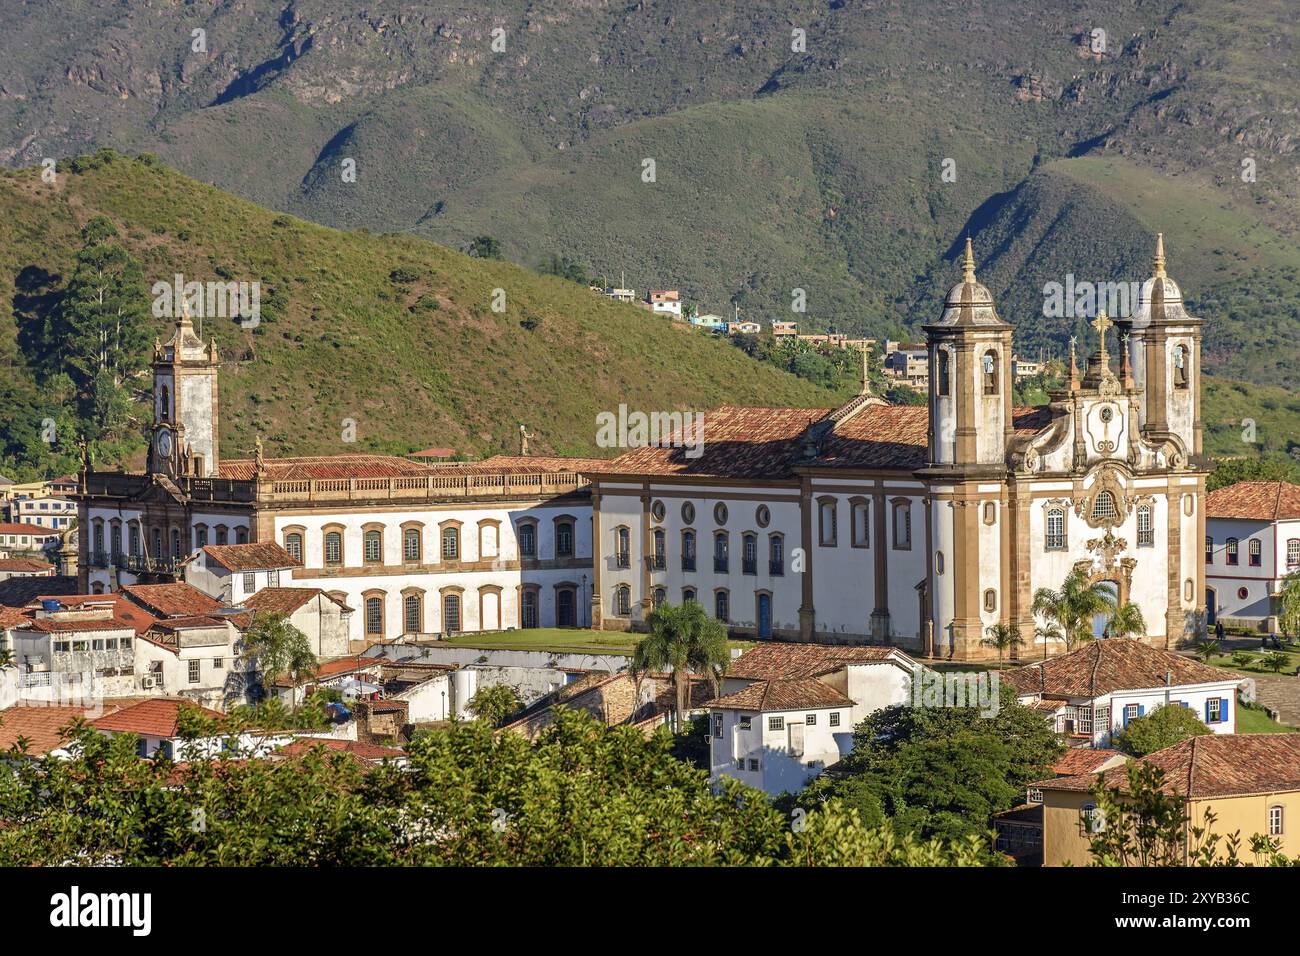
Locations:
(968, 264)
(1160, 255)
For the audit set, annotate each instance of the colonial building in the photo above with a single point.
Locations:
(413, 548)
(1252, 542)
(924, 526)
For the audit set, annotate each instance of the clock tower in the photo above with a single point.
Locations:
(184, 440)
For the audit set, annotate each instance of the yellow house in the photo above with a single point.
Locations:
(1251, 782)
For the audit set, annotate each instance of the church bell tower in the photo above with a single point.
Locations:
(185, 431)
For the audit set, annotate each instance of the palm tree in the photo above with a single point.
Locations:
(278, 649)
(1073, 606)
(6, 658)
(1207, 649)
(682, 639)
(1005, 637)
(1126, 621)
(1051, 631)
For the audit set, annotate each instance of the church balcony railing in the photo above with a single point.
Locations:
(137, 563)
(720, 565)
(776, 568)
(656, 562)
(623, 559)
(749, 566)
(688, 562)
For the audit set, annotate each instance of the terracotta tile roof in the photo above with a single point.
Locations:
(259, 556)
(12, 527)
(334, 668)
(41, 725)
(25, 566)
(769, 695)
(50, 626)
(433, 453)
(531, 464)
(124, 611)
(366, 752)
(1083, 760)
(742, 442)
(1211, 765)
(170, 600)
(284, 600)
(1257, 500)
(13, 617)
(787, 661)
(324, 466)
(193, 620)
(156, 717)
(1109, 665)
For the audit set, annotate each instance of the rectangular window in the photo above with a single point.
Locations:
(810, 720)
(902, 526)
(1131, 712)
(776, 723)
(1293, 552)
(746, 723)
(273, 579)
(194, 672)
(250, 582)
(1056, 529)
(1209, 549)
(717, 726)
(1274, 821)
(835, 718)
(1256, 550)
(828, 535)
(1213, 711)
(218, 663)
(753, 763)
(1146, 534)
(1232, 550)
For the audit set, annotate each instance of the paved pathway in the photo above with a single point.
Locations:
(1280, 694)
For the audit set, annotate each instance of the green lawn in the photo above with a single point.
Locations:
(1251, 720)
(559, 640)
(1256, 667)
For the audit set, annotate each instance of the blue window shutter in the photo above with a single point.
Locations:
(1125, 716)
(1207, 712)
(1141, 710)
(1223, 709)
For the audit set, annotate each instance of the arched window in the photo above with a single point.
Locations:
(860, 517)
(722, 606)
(412, 546)
(564, 539)
(661, 548)
(688, 550)
(902, 525)
(1275, 820)
(374, 552)
(529, 608)
(1209, 549)
(721, 552)
(749, 553)
(688, 594)
(826, 522)
(165, 406)
(115, 539)
(622, 600)
(451, 612)
(1182, 360)
(133, 539)
(1255, 551)
(1231, 548)
(176, 543)
(223, 534)
(990, 372)
(938, 562)
(450, 544)
(1103, 506)
(623, 547)
(156, 539)
(943, 376)
(1055, 540)
(775, 555)
(241, 535)
(375, 616)
(293, 544)
(990, 512)
(413, 614)
(660, 595)
(333, 547)
(990, 600)
(1292, 552)
(528, 540)
(99, 540)
(1146, 533)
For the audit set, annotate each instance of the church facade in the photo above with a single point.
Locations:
(411, 548)
(925, 526)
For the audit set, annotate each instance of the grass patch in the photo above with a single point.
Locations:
(1254, 720)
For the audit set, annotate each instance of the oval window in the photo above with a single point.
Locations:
(763, 516)
(688, 512)
(657, 511)
(720, 513)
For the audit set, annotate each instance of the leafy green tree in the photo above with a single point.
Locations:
(1275, 661)
(1072, 607)
(944, 771)
(494, 704)
(682, 639)
(1243, 659)
(1207, 648)
(278, 649)
(484, 247)
(1288, 616)
(1163, 727)
(1126, 620)
(1004, 637)
(1229, 471)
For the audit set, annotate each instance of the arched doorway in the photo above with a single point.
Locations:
(764, 614)
(1210, 606)
(1099, 620)
(565, 608)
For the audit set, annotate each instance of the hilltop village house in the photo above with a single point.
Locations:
(922, 527)
(1252, 542)
(410, 548)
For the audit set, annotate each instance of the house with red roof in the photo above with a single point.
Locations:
(177, 729)
(1252, 542)
(77, 648)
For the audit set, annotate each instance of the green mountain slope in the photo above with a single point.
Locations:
(392, 333)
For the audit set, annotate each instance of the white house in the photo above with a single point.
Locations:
(159, 726)
(665, 302)
(196, 658)
(323, 617)
(1252, 542)
(1097, 690)
(787, 711)
(233, 573)
(77, 648)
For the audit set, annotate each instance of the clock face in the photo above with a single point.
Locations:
(164, 444)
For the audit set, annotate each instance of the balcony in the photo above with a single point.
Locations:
(720, 565)
(688, 562)
(623, 560)
(776, 568)
(749, 566)
(657, 562)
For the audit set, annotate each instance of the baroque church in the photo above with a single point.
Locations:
(925, 526)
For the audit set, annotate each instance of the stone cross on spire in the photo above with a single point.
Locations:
(1101, 323)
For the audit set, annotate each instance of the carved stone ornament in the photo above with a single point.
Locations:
(1111, 482)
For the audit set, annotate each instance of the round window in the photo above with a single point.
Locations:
(688, 512)
(1243, 593)
(657, 511)
(1107, 413)
(720, 513)
(763, 516)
